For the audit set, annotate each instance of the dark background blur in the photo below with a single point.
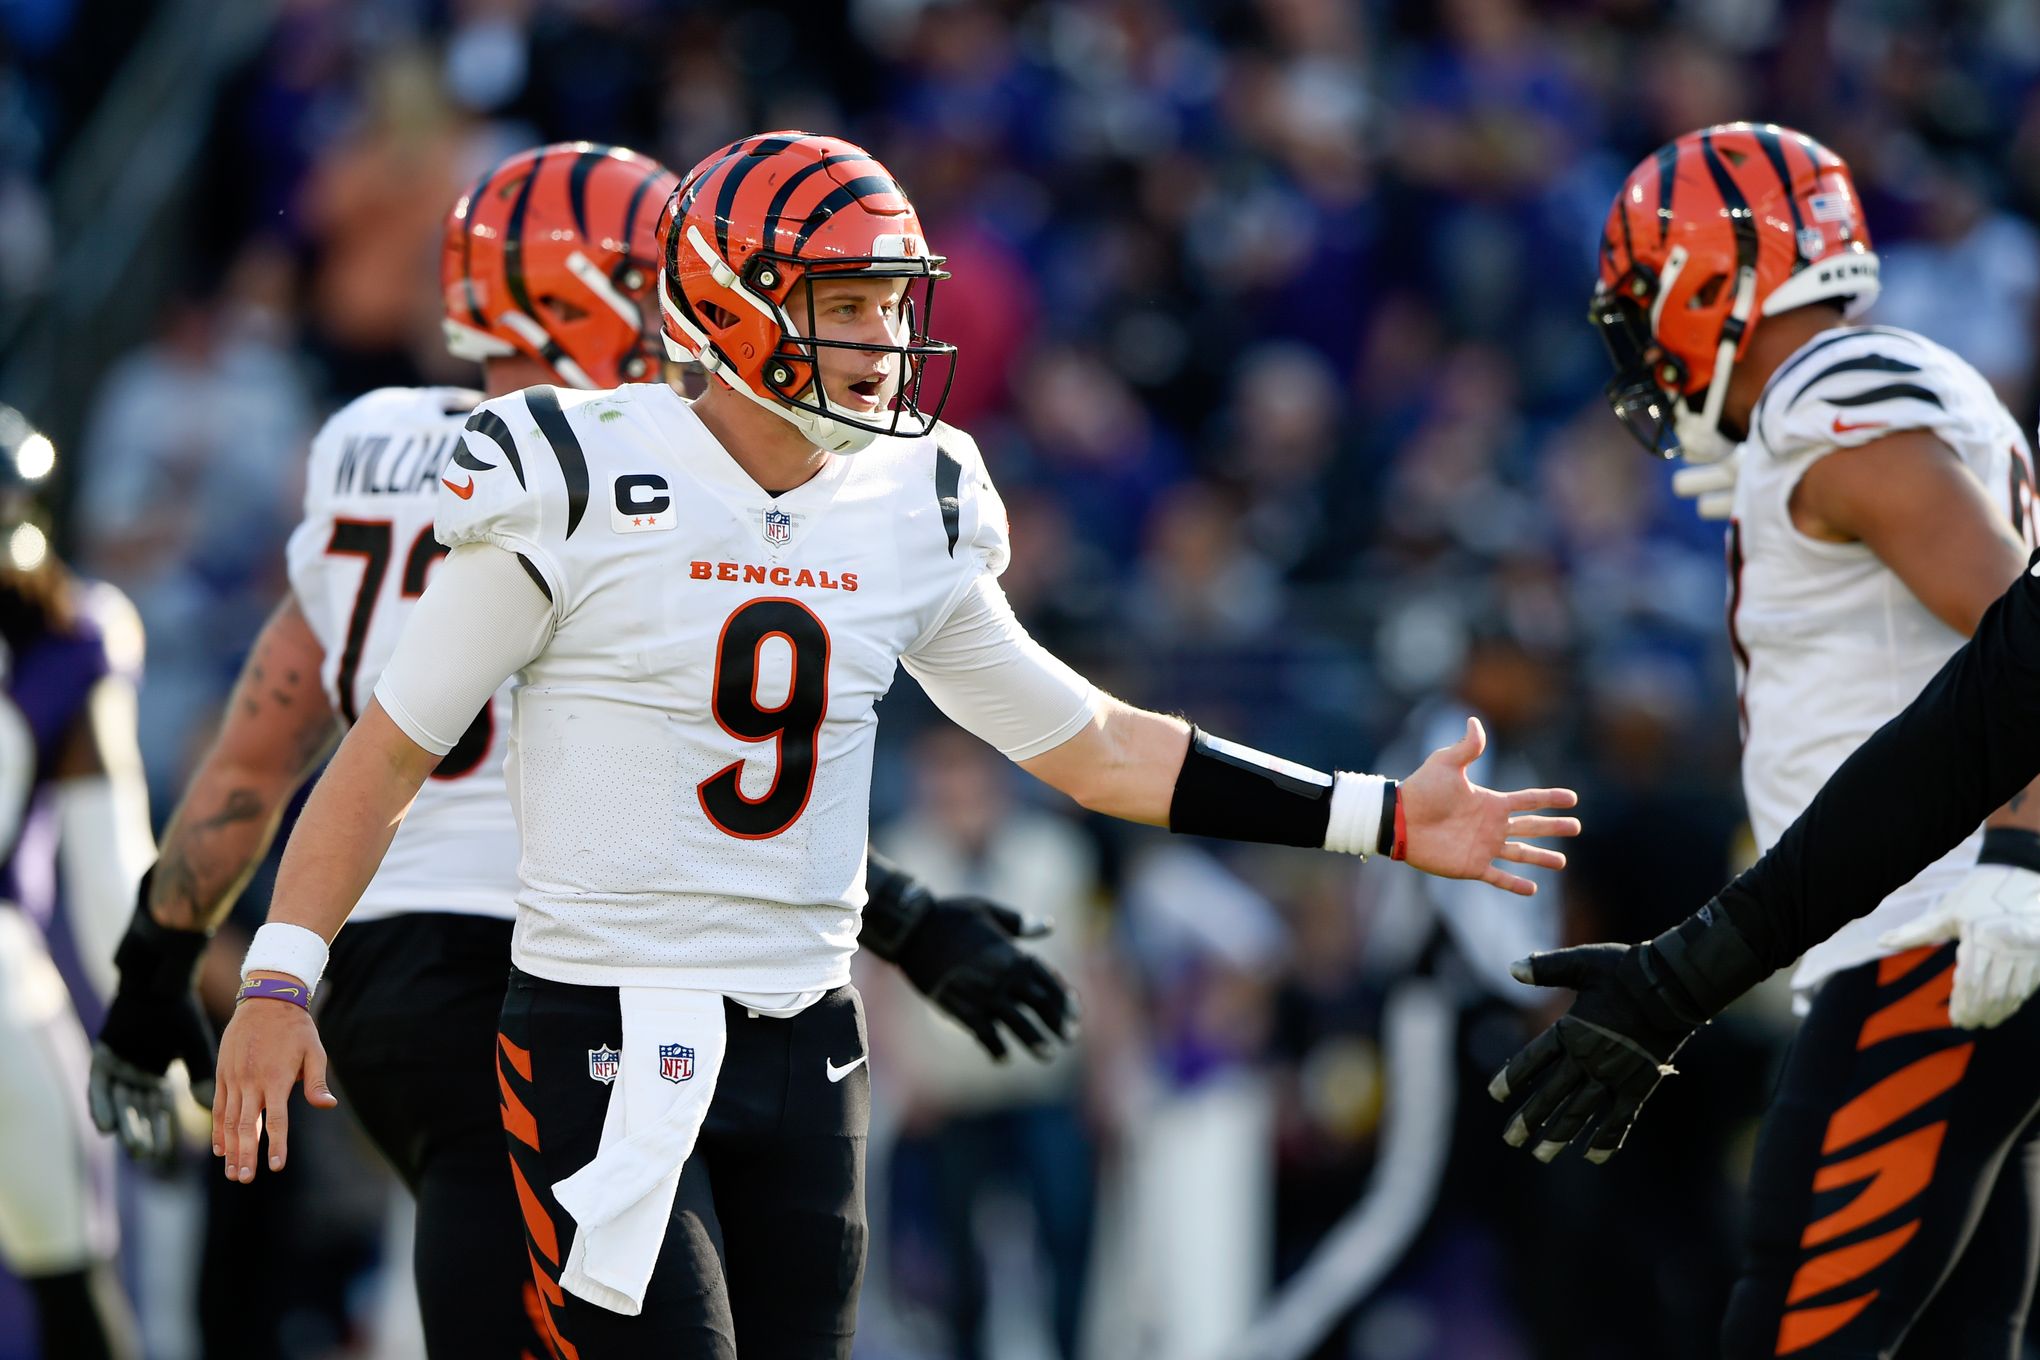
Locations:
(1271, 323)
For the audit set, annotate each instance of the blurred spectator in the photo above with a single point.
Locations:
(192, 462)
(972, 1129)
(372, 207)
(1971, 281)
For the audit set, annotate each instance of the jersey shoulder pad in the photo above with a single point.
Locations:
(519, 475)
(1859, 384)
(973, 515)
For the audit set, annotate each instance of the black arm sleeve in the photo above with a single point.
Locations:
(895, 901)
(1909, 794)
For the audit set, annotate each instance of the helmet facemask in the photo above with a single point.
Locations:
(1648, 391)
(792, 373)
(1646, 380)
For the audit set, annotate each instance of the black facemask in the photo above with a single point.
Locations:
(1646, 378)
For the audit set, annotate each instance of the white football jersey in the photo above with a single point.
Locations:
(1829, 644)
(358, 561)
(691, 752)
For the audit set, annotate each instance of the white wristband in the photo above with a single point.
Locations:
(1354, 826)
(280, 948)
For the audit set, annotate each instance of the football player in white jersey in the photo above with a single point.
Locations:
(1882, 500)
(705, 604)
(548, 265)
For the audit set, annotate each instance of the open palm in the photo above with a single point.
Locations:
(1457, 829)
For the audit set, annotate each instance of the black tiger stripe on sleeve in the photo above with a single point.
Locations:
(948, 481)
(1890, 392)
(1862, 363)
(491, 426)
(544, 405)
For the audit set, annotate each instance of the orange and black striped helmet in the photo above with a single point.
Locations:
(754, 221)
(1709, 234)
(553, 255)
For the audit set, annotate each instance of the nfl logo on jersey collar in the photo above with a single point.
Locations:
(676, 1062)
(603, 1063)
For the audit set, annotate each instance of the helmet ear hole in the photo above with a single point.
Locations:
(719, 317)
(1707, 294)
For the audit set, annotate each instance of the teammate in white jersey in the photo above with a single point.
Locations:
(704, 605)
(1882, 500)
(547, 263)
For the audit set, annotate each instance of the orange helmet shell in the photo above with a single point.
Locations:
(1713, 231)
(554, 255)
(746, 227)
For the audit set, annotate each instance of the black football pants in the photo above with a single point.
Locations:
(765, 1248)
(408, 1015)
(1892, 1207)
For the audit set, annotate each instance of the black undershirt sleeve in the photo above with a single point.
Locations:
(1909, 794)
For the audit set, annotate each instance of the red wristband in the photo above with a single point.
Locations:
(1401, 848)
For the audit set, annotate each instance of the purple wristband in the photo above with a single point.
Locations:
(275, 989)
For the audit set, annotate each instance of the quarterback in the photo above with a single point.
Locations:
(1882, 499)
(704, 603)
(548, 266)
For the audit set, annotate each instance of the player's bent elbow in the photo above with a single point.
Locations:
(381, 737)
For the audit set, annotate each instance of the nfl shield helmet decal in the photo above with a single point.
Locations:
(603, 1063)
(676, 1062)
(777, 527)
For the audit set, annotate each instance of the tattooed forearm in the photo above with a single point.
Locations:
(279, 725)
(207, 858)
(242, 805)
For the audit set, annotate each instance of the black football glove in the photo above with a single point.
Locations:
(1587, 1076)
(959, 952)
(153, 1019)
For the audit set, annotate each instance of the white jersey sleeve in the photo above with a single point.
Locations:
(1863, 384)
(480, 622)
(993, 680)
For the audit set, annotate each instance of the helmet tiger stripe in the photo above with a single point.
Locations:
(553, 255)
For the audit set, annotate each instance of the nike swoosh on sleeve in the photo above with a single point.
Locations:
(1851, 426)
(461, 491)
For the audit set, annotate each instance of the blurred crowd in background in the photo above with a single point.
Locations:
(1271, 318)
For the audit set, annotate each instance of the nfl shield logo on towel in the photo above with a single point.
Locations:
(778, 527)
(602, 1064)
(676, 1062)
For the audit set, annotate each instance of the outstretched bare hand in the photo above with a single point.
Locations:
(1456, 829)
